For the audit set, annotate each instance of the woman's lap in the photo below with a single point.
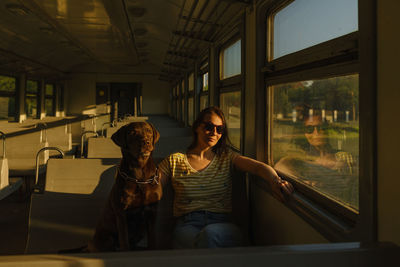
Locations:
(202, 229)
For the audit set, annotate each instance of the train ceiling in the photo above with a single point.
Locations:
(156, 37)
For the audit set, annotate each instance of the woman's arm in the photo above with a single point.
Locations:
(279, 187)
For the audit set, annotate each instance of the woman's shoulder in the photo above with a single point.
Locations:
(177, 156)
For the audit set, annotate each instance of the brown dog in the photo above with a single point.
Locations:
(127, 217)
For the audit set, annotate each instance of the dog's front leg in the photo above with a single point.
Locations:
(123, 235)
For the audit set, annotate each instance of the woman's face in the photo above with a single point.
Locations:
(210, 130)
(315, 132)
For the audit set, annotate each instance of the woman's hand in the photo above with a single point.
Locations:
(280, 188)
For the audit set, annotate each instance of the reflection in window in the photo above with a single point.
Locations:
(31, 98)
(315, 135)
(203, 102)
(190, 111)
(230, 61)
(191, 82)
(230, 105)
(205, 82)
(325, 20)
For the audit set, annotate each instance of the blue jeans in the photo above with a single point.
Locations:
(205, 229)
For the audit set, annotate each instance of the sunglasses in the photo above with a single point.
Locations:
(310, 129)
(208, 126)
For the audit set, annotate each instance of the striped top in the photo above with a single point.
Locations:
(209, 189)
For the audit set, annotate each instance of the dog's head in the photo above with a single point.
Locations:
(137, 141)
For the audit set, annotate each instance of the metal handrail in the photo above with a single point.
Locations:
(102, 128)
(43, 127)
(82, 139)
(3, 136)
(36, 186)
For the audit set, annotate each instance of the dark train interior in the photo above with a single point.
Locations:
(306, 86)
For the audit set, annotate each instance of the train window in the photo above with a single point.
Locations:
(191, 82)
(231, 61)
(7, 97)
(230, 86)
(315, 135)
(204, 87)
(203, 101)
(61, 99)
(183, 114)
(49, 99)
(314, 116)
(190, 110)
(230, 105)
(203, 81)
(326, 20)
(31, 98)
(190, 95)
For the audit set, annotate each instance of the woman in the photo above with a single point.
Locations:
(319, 165)
(202, 183)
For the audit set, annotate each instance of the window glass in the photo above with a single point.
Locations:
(49, 106)
(304, 23)
(191, 82)
(31, 107)
(203, 102)
(205, 82)
(183, 109)
(7, 107)
(190, 111)
(230, 61)
(49, 89)
(32, 87)
(230, 105)
(315, 135)
(61, 99)
(7, 84)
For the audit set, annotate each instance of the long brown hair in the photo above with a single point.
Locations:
(223, 143)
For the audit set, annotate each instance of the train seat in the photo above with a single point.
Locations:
(65, 215)
(21, 153)
(60, 137)
(102, 148)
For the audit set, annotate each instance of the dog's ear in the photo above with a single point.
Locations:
(156, 134)
(119, 137)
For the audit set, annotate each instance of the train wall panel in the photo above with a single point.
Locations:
(81, 91)
(388, 95)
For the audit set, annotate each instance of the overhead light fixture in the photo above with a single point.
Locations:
(17, 9)
(137, 12)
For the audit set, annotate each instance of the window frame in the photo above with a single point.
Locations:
(11, 94)
(50, 97)
(203, 69)
(351, 53)
(37, 115)
(235, 83)
(190, 94)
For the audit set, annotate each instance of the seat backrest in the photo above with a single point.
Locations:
(65, 215)
(102, 148)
